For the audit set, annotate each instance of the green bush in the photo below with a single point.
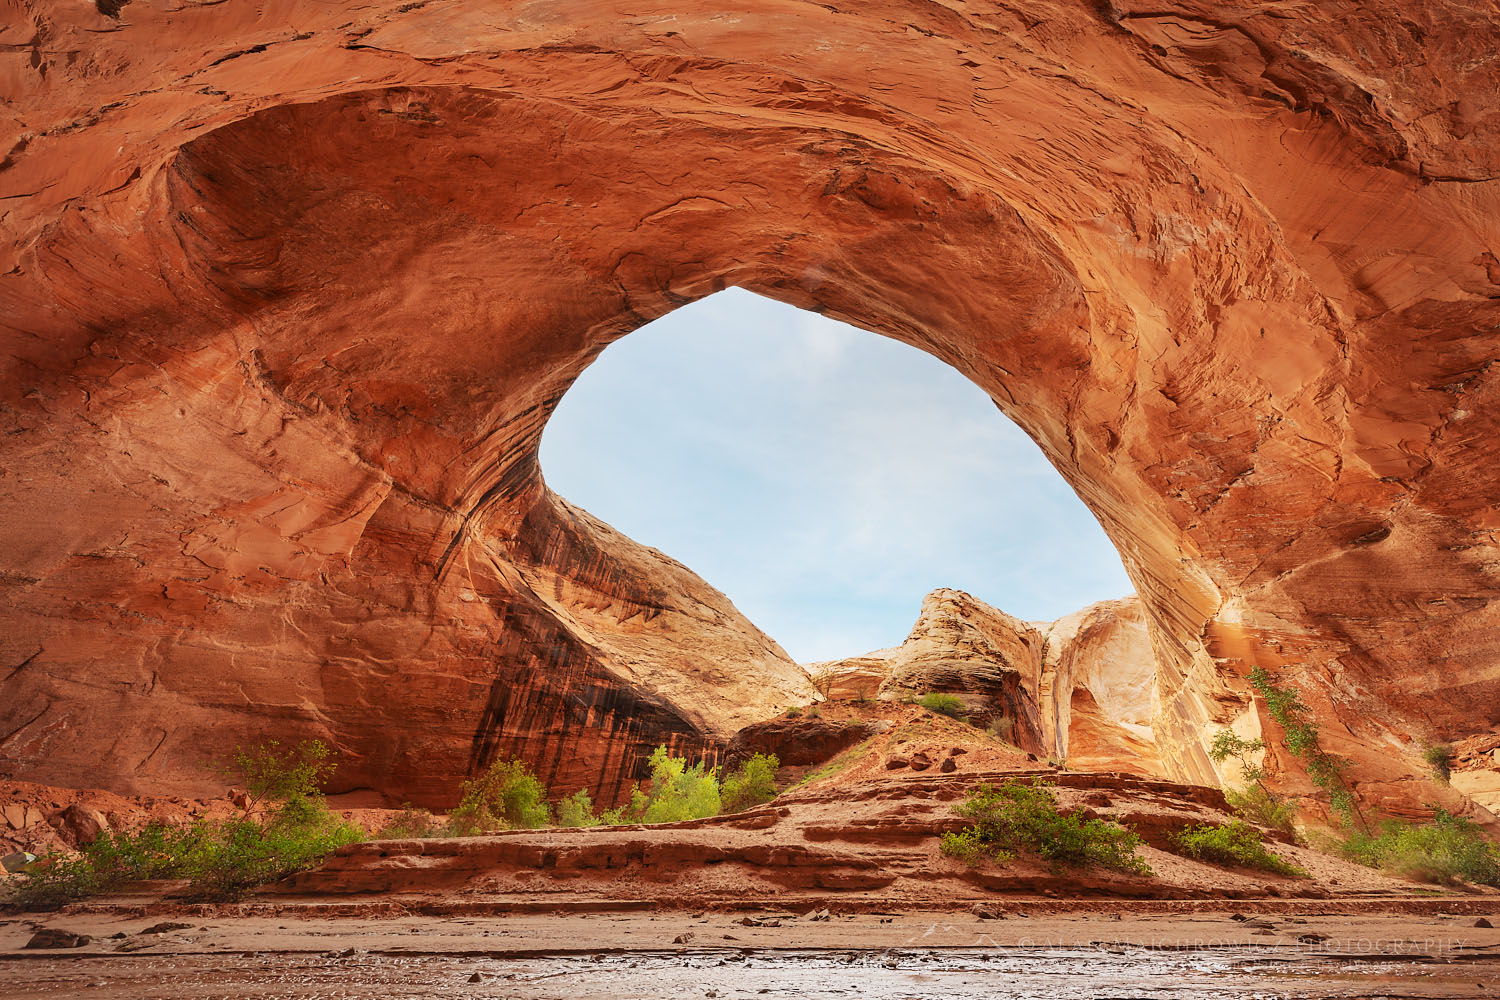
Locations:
(1017, 815)
(967, 846)
(275, 774)
(1236, 843)
(294, 831)
(242, 854)
(753, 783)
(1255, 802)
(943, 704)
(678, 792)
(577, 810)
(1260, 806)
(1439, 757)
(506, 797)
(793, 712)
(1447, 851)
(114, 859)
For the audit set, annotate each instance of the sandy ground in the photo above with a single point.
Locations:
(1100, 954)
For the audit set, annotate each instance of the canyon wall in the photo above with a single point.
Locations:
(288, 291)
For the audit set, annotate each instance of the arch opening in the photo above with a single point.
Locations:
(824, 478)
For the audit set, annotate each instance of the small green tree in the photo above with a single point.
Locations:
(577, 810)
(1255, 802)
(753, 783)
(275, 774)
(678, 792)
(507, 796)
(1439, 757)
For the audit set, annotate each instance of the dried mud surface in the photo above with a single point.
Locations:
(902, 955)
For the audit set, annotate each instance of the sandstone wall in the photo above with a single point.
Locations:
(287, 293)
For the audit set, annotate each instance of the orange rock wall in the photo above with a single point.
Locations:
(287, 292)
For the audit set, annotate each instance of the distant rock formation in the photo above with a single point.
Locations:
(1081, 689)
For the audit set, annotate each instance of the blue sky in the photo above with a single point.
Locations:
(823, 477)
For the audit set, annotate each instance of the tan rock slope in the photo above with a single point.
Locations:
(287, 294)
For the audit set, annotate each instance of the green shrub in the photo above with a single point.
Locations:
(753, 783)
(943, 704)
(793, 712)
(967, 846)
(1017, 815)
(239, 855)
(577, 810)
(410, 823)
(275, 774)
(111, 861)
(1260, 806)
(1439, 757)
(678, 792)
(1447, 851)
(286, 827)
(1255, 802)
(1236, 843)
(506, 797)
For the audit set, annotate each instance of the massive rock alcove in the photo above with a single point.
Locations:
(288, 296)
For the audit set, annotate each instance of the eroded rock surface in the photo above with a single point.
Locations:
(288, 294)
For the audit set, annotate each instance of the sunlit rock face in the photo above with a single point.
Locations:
(1098, 689)
(981, 655)
(289, 292)
(1081, 689)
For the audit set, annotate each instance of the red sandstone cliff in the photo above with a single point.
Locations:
(287, 293)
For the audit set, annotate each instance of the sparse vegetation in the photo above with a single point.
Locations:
(1447, 851)
(1255, 802)
(409, 824)
(950, 705)
(286, 827)
(678, 792)
(793, 712)
(578, 810)
(1326, 770)
(1002, 728)
(1238, 844)
(1019, 815)
(751, 784)
(1439, 757)
(507, 796)
(1262, 807)
(840, 762)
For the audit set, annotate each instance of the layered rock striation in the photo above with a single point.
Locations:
(287, 294)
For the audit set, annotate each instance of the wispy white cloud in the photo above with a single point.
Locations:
(823, 477)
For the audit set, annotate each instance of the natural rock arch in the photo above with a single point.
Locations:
(292, 313)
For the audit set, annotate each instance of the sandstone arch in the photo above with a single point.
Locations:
(288, 301)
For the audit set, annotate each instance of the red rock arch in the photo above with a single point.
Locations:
(284, 330)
